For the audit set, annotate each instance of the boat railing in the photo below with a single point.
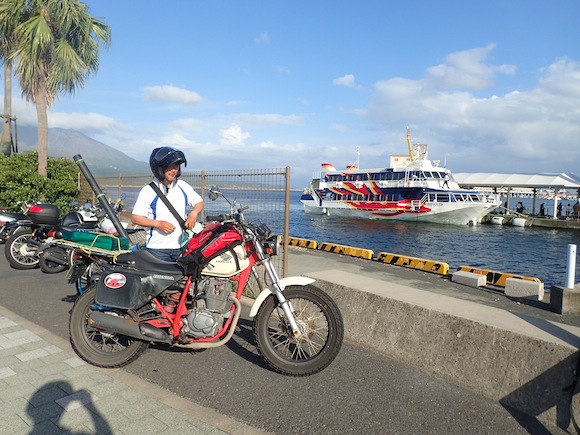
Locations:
(316, 197)
(417, 204)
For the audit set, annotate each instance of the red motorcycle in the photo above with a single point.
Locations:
(195, 303)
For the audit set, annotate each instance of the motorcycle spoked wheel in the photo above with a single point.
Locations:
(18, 253)
(322, 328)
(49, 266)
(98, 347)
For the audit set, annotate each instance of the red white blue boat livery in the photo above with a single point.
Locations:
(412, 188)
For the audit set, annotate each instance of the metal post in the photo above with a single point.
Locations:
(571, 267)
(286, 223)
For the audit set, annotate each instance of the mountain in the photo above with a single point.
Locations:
(100, 158)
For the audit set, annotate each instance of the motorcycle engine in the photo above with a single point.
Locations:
(211, 308)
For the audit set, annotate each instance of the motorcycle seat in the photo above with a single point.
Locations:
(146, 261)
(78, 227)
(10, 216)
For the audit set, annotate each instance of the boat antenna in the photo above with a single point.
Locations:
(356, 165)
(409, 144)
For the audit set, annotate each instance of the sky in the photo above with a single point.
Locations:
(490, 85)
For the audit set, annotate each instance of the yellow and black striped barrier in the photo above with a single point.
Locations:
(303, 243)
(439, 267)
(496, 278)
(416, 263)
(346, 250)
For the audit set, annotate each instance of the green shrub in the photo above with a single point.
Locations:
(19, 181)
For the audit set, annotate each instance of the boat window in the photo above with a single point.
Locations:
(442, 197)
(437, 175)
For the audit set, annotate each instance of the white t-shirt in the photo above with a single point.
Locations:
(183, 198)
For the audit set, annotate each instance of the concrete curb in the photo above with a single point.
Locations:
(523, 362)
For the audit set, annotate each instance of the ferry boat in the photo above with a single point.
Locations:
(411, 188)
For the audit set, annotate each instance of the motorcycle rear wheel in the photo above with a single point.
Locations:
(318, 318)
(18, 253)
(98, 347)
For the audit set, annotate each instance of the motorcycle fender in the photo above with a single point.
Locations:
(283, 283)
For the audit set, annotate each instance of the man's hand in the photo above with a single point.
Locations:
(164, 226)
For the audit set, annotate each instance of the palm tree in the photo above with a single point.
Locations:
(57, 49)
(10, 16)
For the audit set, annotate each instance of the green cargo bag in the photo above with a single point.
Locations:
(97, 240)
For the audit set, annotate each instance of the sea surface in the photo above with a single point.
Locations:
(529, 251)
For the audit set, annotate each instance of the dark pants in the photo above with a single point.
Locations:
(166, 254)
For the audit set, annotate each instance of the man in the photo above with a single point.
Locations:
(446, 180)
(164, 236)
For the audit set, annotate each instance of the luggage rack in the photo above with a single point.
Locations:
(90, 249)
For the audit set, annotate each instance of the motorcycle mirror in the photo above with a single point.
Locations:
(87, 206)
(123, 196)
(213, 193)
(74, 203)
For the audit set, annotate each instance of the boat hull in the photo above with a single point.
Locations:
(441, 213)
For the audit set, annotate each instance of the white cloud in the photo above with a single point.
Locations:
(533, 128)
(85, 122)
(263, 39)
(266, 119)
(172, 93)
(466, 69)
(233, 136)
(341, 128)
(346, 80)
(188, 124)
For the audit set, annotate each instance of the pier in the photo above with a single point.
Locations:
(506, 349)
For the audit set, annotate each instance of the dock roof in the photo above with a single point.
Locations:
(566, 181)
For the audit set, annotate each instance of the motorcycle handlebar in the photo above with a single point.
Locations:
(218, 218)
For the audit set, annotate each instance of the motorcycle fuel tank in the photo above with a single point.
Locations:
(227, 263)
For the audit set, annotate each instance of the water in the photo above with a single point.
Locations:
(529, 251)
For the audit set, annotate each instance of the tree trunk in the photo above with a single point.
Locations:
(6, 138)
(42, 115)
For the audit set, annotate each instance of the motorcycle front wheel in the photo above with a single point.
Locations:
(97, 346)
(18, 253)
(320, 322)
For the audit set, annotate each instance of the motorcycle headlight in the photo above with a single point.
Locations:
(272, 245)
(263, 231)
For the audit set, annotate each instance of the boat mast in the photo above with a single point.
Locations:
(409, 144)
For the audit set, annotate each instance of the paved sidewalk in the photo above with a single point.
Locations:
(46, 389)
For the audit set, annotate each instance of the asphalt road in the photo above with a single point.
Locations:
(361, 392)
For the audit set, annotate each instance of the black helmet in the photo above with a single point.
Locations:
(162, 158)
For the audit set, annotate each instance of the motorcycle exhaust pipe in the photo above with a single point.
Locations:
(100, 195)
(32, 242)
(130, 328)
(49, 255)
